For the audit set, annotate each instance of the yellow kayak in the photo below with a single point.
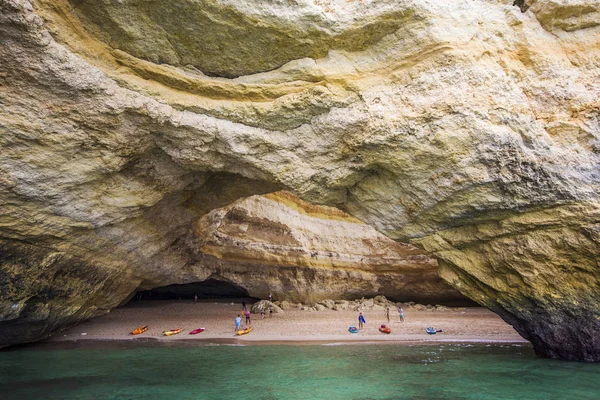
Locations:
(244, 331)
(172, 332)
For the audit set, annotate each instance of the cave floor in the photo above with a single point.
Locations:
(471, 324)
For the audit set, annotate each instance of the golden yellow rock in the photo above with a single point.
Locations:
(467, 127)
(306, 253)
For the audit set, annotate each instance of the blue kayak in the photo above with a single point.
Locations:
(432, 331)
(353, 329)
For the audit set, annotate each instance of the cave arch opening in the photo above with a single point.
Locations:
(209, 289)
(306, 253)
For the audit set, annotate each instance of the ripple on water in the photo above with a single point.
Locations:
(333, 371)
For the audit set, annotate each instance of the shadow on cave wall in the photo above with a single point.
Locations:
(208, 289)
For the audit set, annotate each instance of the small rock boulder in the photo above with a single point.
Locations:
(340, 305)
(365, 303)
(265, 305)
(328, 303)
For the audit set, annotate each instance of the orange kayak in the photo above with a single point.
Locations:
(172, 332)
(244, 331)
(139, 330)
(385, 329)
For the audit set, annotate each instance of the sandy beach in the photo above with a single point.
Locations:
(470, 324)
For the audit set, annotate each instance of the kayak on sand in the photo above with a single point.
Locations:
(139, 330)
(172, 332)
(385, 329)
(196, 331)
(244, 331)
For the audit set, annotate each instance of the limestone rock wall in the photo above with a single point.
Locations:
(470, 128)
(306, 253)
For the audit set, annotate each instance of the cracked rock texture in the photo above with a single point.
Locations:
(306, 253)
(470, 128)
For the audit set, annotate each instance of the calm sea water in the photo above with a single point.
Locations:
(294, 372)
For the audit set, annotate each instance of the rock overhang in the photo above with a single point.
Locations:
(231, 39)
(455, 131)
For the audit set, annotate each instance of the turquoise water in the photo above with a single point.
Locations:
(294, 372)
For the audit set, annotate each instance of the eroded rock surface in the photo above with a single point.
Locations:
(306, 253)
(470, 128)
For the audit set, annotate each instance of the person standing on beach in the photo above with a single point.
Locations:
(262, 314)
(195, 298)
(238, 322)
(244, 305)
(401, 313)
(271, 312)
(270, 297)
(361, 320)
(247, 314)
(387, 313)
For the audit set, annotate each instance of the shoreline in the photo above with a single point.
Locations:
(121, 343)
(472, 325)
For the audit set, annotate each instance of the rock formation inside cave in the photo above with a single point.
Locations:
(208, 289)
(469, 129)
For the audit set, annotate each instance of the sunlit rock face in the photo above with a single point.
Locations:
(470, 128)
(308, 253)
(232, 38)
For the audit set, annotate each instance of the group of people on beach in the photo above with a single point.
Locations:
(238, 319)
(246, 312)
(362, 321)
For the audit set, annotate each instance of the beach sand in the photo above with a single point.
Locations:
(471, 324)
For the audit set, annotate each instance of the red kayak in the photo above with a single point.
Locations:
(196, 331)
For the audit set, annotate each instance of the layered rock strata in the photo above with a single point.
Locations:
(470, 128)
(306, 253)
